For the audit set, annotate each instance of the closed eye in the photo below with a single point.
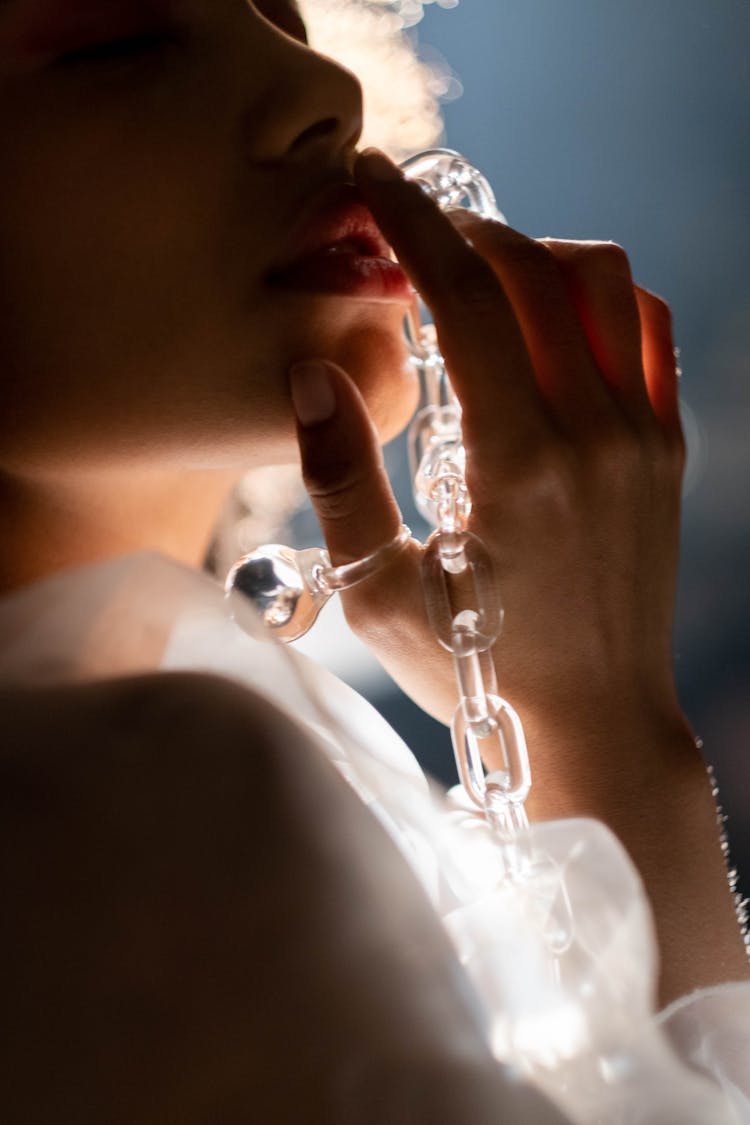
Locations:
(116, 50)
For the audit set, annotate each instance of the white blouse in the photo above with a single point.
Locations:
(562, 958)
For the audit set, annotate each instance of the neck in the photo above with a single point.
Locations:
(48, 527)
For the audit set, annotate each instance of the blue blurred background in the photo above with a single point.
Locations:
(628, 121)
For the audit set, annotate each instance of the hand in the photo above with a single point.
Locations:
(566, 376)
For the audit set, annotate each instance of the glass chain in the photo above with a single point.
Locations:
(462, 603)
(457, 572)
(288, 588)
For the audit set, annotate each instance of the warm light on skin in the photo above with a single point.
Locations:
(144, 200)
(138, 332)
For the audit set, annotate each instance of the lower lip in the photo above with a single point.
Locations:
(348, 275)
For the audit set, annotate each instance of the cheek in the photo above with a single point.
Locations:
(131, 325)
(207, 384)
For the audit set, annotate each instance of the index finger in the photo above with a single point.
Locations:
(478, 332)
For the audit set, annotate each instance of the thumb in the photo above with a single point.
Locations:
(342, 463)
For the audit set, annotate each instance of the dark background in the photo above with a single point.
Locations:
(628, 120)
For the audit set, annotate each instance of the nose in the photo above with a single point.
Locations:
(306, 102)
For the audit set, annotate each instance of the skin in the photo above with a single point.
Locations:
(155, 966)
(567, 499)
(133, 273)
(145, 357)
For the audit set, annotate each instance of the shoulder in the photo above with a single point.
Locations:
(184, 877)
(151, 832)
(172, 763)
(166, 714)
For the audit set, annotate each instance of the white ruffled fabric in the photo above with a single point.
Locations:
(563, 958)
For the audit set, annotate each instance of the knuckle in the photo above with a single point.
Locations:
(557, 483)
(623, 455)
(661, 309)
(659, 313)
(336, 500)
(541, 482)
(663, 449)
(511, 251)
(617, 450)
(532, 263)
(609, 258)
(552, 488)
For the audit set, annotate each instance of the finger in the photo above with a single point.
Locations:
(478, 332)
(659, 361)
(564, 366)
(601, 288)
(342, 463)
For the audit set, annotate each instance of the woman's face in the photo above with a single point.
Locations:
(162, 161)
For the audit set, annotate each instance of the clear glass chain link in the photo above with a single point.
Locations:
(288, 588)
(457, 571)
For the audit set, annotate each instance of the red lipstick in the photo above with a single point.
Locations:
(338, 249)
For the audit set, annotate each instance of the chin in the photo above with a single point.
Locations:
(373, 351)
(367, 340)
(390, 388)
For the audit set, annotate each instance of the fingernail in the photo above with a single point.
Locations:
(378, 166)
(313, 396)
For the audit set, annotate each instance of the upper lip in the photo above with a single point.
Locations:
(336, 215)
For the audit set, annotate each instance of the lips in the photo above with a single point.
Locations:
(337, 249)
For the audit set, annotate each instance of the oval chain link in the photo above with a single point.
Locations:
(463, 606)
